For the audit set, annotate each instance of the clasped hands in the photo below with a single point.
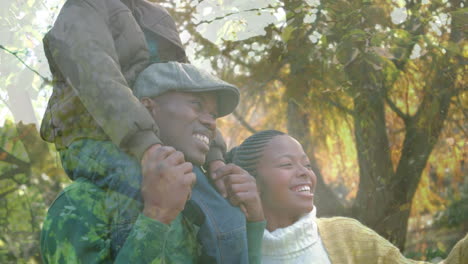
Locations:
(168, 181)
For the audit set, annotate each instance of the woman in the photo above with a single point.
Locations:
(286, 184)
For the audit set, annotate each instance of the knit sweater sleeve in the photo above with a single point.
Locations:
(348, 241)
(254, 240)
(459, 253)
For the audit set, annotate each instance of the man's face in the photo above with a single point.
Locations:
(187, 122)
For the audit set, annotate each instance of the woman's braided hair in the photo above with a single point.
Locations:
(246, 155)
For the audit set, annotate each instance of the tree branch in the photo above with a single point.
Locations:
(7, 157)
(3, 194)
(15, 54)
(397, 110)
(458, 103)
(235, 60)
(341, 107)
(11, 173)
(234, 13)
(32, 214)
(244, 122)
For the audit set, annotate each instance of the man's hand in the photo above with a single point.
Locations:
(241, 190)
(167, 182)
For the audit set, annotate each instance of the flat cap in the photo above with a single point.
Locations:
(159, 78)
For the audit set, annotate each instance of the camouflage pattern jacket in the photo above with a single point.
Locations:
(77, 230)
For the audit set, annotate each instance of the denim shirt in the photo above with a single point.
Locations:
(223, 231)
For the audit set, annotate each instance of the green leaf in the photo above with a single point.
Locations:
(286, 34)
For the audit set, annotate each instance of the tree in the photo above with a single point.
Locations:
(30, 174)
(30, 179)
(387, 71)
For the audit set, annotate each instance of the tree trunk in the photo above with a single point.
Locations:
(375, 197)
(422, 133)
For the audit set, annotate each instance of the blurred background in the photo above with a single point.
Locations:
(375, 90)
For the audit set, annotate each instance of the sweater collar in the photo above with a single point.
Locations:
(296, 237)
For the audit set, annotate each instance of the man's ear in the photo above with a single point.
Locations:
(148, 103)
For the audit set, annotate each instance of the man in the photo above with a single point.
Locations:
(95, 50)
(91, 223)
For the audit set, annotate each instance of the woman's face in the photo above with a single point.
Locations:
(285, 178)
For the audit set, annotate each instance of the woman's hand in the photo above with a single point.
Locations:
(240, 189)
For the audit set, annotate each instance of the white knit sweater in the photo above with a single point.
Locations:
(297, 243)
